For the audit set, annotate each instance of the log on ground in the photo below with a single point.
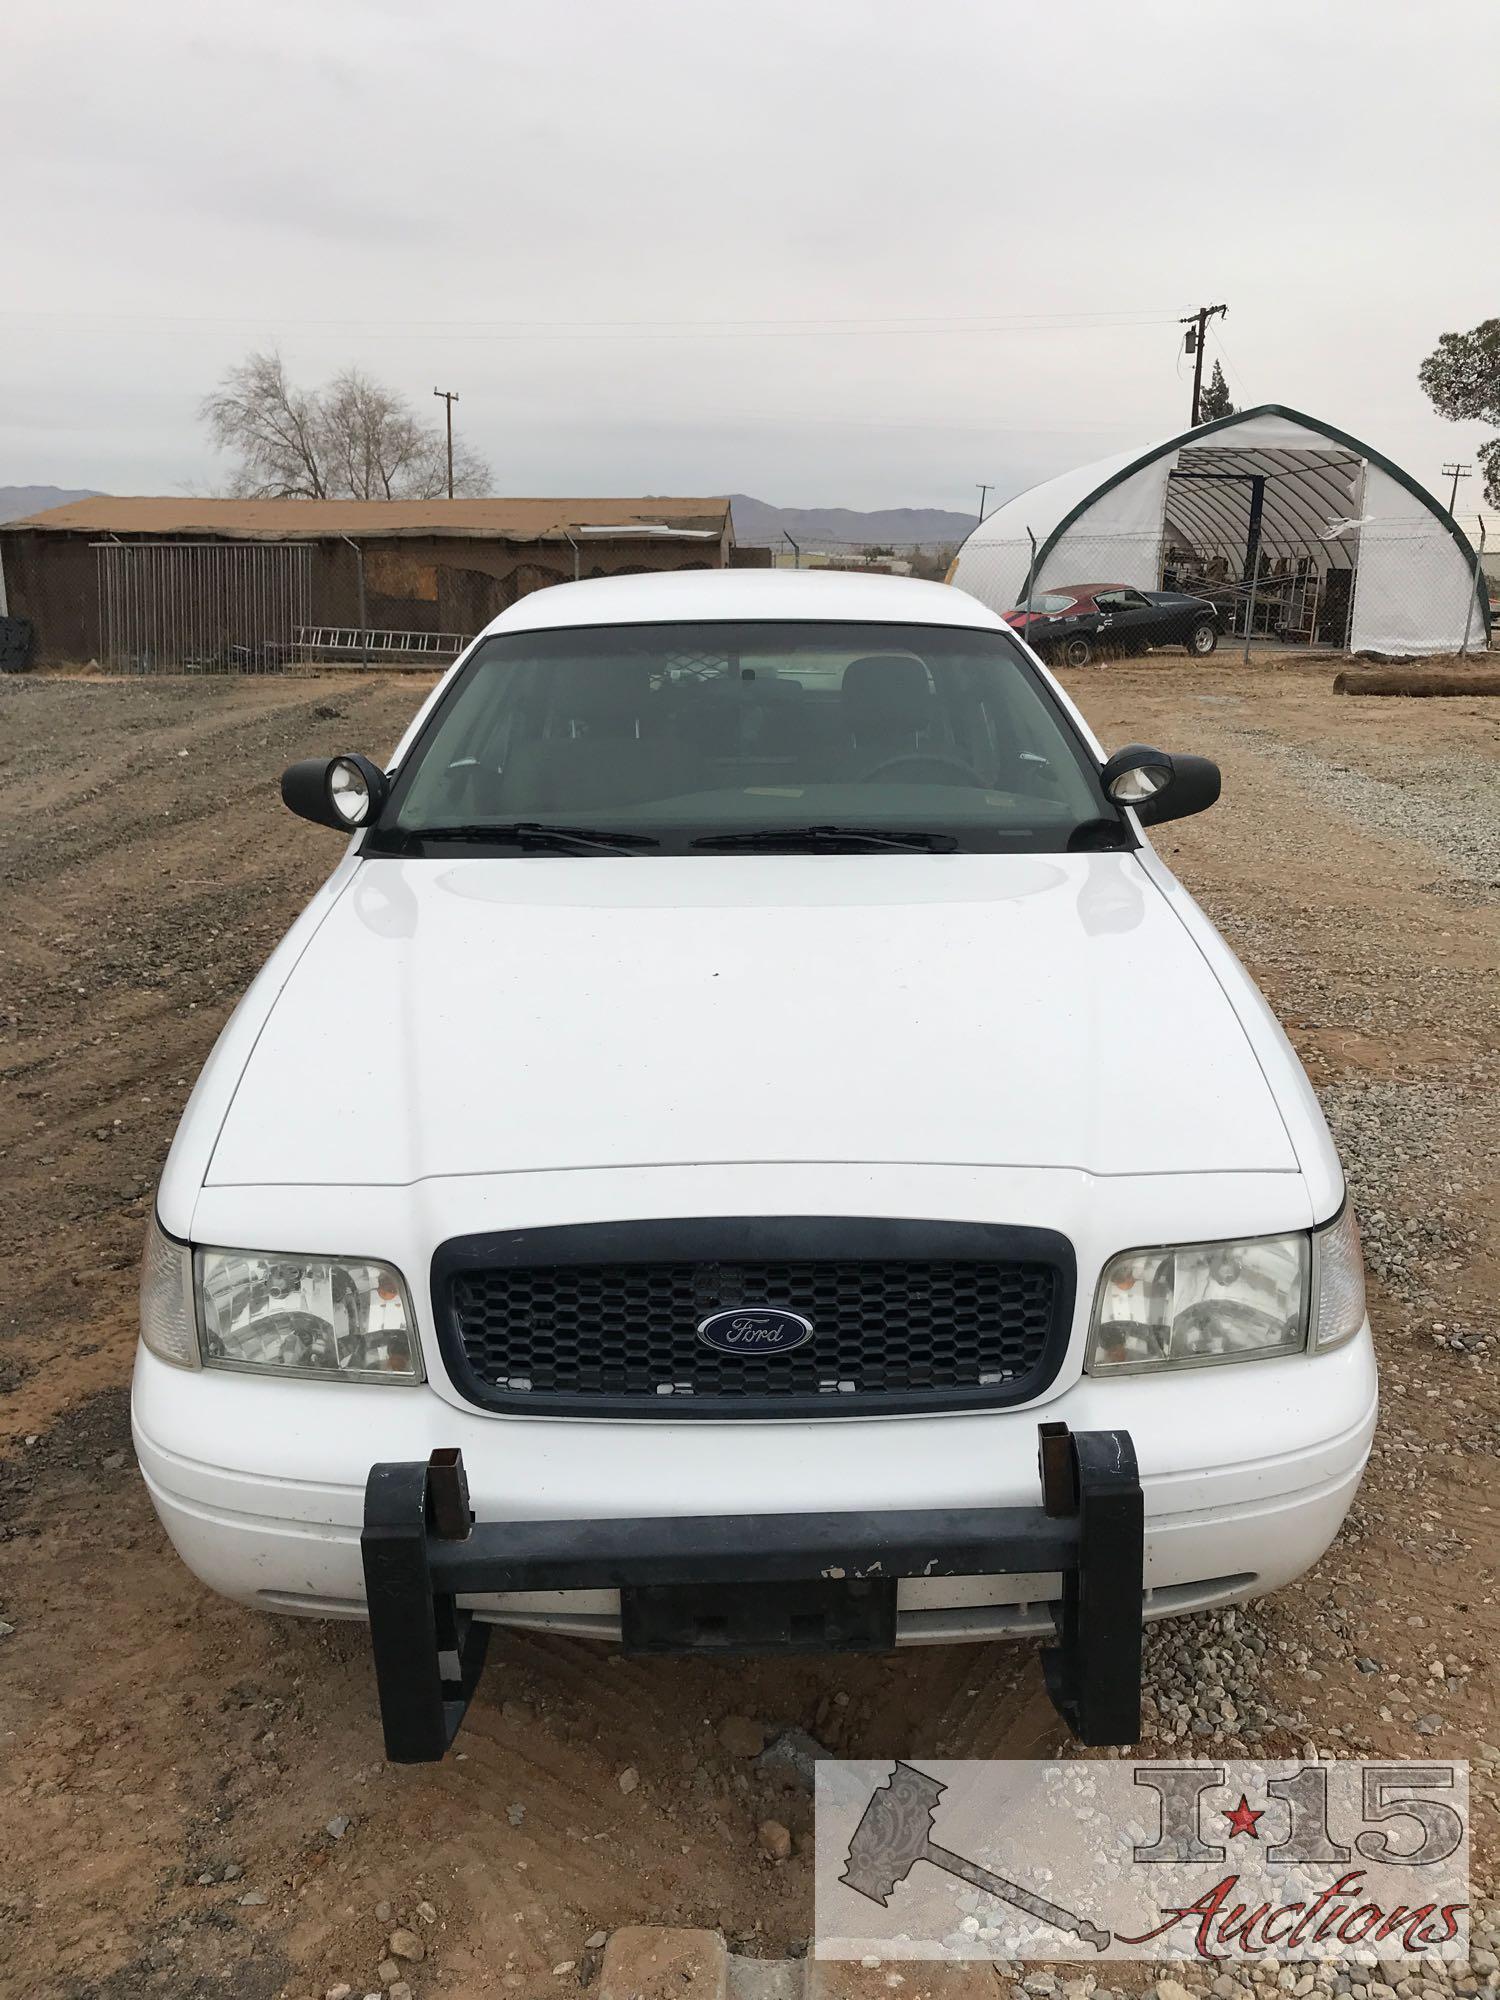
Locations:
(1414, 680)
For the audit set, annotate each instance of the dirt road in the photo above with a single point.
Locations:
(175, 1763)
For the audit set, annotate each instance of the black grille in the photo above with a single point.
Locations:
(525, 1329)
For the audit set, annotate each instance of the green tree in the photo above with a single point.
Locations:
(1214, 402)
(1461, 377)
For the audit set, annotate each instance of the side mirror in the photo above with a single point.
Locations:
(1158, 786)
(342, 792)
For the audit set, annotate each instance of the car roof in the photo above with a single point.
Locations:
(696, 596)
(1072, 590)
(1063, 590)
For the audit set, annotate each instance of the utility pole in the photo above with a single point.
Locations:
(1198, 323)
(450, 397)
(796, 549)
(1458, 472)
(984, 492)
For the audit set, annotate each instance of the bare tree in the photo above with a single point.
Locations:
(353, 440)
(274, 429)
(471, 474)
(374, 446)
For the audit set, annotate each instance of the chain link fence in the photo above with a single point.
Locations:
(1299, 593)
(253, 607)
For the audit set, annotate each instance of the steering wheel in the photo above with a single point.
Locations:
(934, 760)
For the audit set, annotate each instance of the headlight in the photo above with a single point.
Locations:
(1197, 1303)
(1339, 1276)
(168, 1323)
(291, 1314)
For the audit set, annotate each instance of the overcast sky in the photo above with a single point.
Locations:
(828, 252)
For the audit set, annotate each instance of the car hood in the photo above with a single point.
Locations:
(477, 1015)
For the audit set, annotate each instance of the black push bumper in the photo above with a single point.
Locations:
(753, 1582)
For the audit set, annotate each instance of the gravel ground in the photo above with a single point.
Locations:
(177, 1766)
(1363, 906)
(1444, 803)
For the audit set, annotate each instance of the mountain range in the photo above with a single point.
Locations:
(16, 502)
(757, 523)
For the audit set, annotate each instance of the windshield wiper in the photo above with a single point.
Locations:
(813, 837)
(533, 833)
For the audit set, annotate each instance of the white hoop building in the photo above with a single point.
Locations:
(1292, 525)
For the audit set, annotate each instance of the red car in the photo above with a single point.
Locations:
(1077, 622)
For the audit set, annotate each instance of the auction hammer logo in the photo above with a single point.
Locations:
(894, 1835)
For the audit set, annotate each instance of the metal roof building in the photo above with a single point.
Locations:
(173, 582)
(1311, 536)
(482, 520)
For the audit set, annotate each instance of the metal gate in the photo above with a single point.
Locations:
(202, 607)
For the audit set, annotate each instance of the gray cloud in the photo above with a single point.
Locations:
(542, 205)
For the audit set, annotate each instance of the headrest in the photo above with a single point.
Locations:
(603, 692)
(890, 688)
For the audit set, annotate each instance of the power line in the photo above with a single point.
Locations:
(1146, 315)
(892, 326)
(1223, 346)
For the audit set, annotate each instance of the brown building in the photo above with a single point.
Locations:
(170, 583)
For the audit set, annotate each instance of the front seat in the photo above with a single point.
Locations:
(887, 702)
(600, 750)
(599, 698)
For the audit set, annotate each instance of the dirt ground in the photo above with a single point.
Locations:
(173, 1762)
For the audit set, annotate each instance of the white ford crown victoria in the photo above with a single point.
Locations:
(750, 1148)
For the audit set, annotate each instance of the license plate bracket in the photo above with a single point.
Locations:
(811, 1615)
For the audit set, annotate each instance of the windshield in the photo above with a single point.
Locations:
(703, 733)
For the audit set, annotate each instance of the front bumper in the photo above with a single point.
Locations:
(1247, 1473)
(729, 1583)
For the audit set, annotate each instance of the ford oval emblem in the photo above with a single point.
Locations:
(754, 1330)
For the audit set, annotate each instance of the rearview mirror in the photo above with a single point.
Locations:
(343, 792)
(1158, 786)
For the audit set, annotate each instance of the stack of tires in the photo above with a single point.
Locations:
(17, 645)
